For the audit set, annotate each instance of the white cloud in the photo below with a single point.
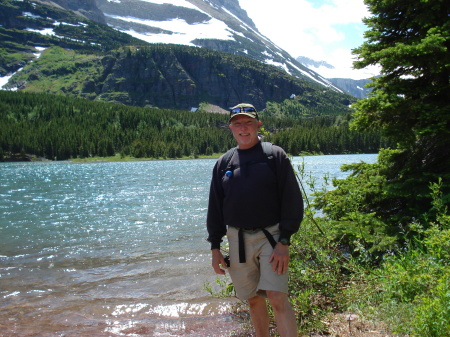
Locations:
(327, 34)
(319, 29)
(292, 18)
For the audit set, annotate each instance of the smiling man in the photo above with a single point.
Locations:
(256, 202)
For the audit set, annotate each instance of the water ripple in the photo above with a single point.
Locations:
(108, 240)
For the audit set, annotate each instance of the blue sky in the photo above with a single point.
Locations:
(324, 30)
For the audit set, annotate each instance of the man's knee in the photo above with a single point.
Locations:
(278, 300)
(256, 300)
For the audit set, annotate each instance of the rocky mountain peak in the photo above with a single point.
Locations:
(86, 8)
(220, 25)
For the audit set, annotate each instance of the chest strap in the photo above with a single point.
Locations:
(242, 245)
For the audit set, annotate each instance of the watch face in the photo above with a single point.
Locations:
(284, 242)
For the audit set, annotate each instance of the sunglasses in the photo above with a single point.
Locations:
(243, 109)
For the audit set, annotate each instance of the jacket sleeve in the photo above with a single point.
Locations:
(291, 199)
(214, 220)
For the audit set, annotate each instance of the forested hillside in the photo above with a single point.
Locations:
(61, 127)
(170, 76)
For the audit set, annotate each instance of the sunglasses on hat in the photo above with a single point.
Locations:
(242, 109)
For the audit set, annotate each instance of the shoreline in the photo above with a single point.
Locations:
(33, 158)
(85, 322)
(118, 158)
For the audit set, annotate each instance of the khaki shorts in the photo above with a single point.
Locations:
(255, 276)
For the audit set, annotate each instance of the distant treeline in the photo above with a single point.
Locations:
(62, 127)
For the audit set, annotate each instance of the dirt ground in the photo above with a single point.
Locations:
(339, 325)
(351, 325)
(229, 325)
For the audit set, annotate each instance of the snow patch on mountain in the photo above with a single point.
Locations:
(319, 80)
(4, 80)
(45, 31)
(178, 3)
(182, 32)
(278, 64)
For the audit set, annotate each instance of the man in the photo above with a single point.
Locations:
(254, 203)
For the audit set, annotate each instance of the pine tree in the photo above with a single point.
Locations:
(410, 105)
(410, 102)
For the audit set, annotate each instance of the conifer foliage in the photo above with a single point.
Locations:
(410, 105)
(62, 127)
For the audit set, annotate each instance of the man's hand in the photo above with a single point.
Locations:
(218, 261)
(280, 258)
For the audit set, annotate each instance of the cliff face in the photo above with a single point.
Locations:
(86, 8)
(183, 79)
(353, 87)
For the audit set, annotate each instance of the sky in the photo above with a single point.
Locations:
(323, 30)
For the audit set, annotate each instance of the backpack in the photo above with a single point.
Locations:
(225, 165)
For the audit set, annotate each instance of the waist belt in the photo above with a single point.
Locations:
(241, 241)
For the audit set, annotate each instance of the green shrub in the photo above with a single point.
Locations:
(433, 311)
(411, 289)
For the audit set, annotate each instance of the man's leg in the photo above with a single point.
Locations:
(259, 315)
(284, 315)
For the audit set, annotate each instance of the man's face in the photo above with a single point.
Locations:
(245, 131)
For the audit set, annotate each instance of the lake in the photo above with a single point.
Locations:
(113, 249)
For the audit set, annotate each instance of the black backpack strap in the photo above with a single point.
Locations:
(241, 246)
(269, 237)
(267, 148)
(225, 163)
(268, 151)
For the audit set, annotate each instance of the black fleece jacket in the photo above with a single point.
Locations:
(254, 196)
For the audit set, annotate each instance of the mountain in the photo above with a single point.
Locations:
(85, 8)
(353, 87)
(310, 63)
(53, 47)
(220, 25)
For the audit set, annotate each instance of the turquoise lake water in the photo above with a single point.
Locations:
(94, 249)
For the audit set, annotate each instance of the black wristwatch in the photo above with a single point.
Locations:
(285, 241)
